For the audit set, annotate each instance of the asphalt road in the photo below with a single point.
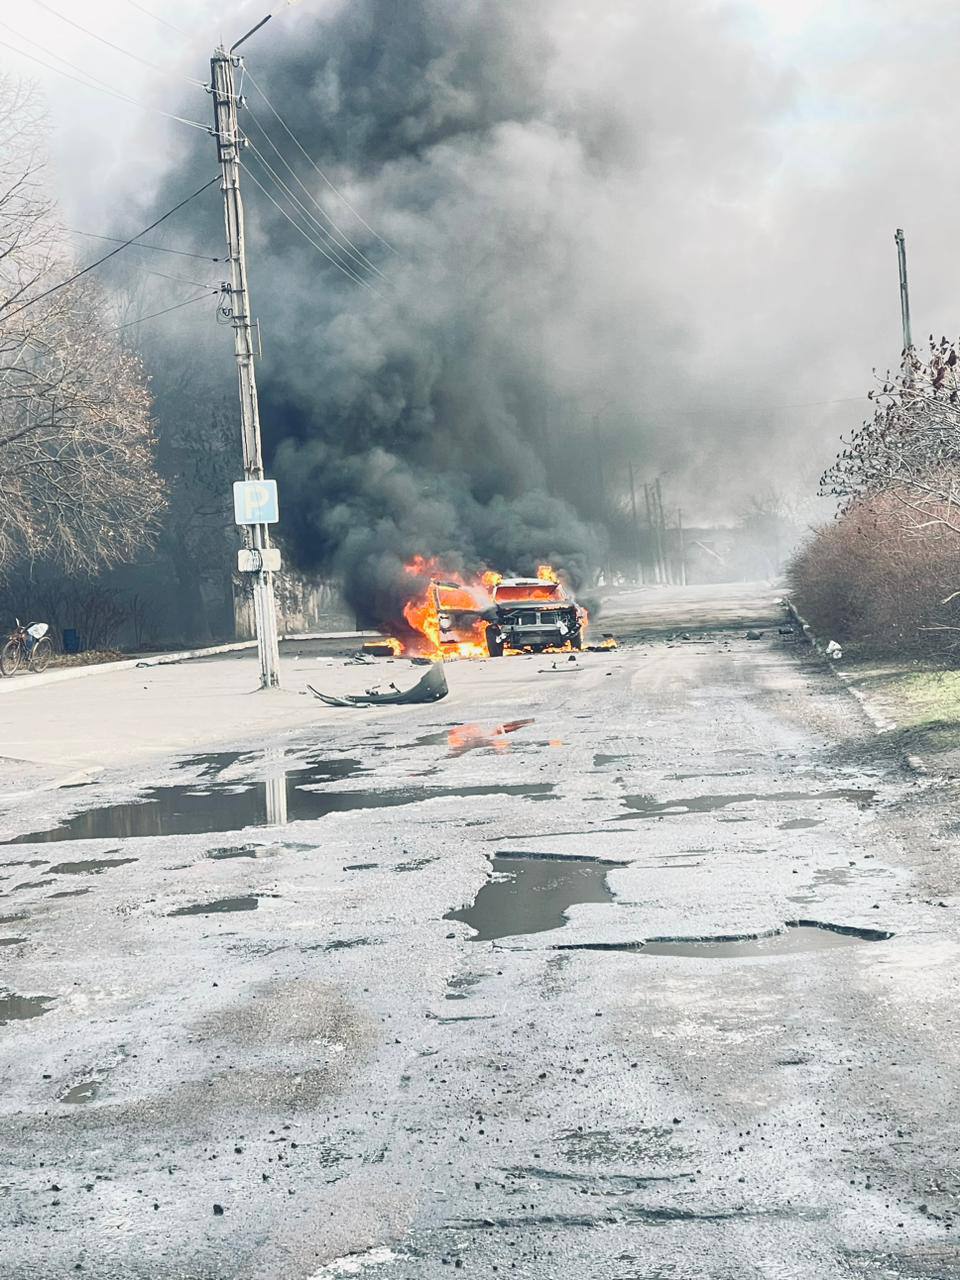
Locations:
(414, 1029)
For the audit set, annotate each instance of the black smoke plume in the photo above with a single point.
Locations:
(477, 396)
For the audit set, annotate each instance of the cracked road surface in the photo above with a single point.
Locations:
(413, 1029)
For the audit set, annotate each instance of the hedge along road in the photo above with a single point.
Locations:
(413, 1029)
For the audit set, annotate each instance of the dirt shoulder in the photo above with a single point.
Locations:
(920, 698)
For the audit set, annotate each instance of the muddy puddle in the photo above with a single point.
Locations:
(795, 939)
(14, 1008)
(198, 807)
(249, 903)
(647, 807)
(530, 893)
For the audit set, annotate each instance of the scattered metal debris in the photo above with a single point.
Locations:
(430, 688)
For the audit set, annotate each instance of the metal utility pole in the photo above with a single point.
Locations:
(904, 291)
(261, 556)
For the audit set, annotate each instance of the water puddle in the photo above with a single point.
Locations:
(85, 1091)
(647, 807)
(800, 824)
(530, 893)
(462, 738)
(798, 937)
(236, 851)
(68, 893)
(190, 810)
(94, 867)
(14, 1008)
(11, 942)
(222, 904)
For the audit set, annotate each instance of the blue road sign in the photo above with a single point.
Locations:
(255, 502)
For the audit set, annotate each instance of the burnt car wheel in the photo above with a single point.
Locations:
(576, 640)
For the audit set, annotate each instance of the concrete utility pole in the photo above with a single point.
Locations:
(904, 291)
(683, 548)
(227, 135)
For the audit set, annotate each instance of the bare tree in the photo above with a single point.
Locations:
(910, 449)
(77, 480)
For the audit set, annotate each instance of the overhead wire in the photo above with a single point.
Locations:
(157, 248)
(89, 81)
(208, 293)
(94, 35)
(156, 17)
(197, 284)
(337, 192)
(113, 252)
(357, 279)
(350, 247)
(343, 254)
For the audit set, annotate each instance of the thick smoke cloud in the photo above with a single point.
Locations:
(457, 405)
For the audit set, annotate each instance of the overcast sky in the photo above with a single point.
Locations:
(777, 163)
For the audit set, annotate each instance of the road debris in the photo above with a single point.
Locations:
(430, 688)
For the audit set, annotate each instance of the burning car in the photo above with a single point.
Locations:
(463, 616)
(534, 614)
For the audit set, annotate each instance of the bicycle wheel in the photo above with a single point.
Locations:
(40, 654)
(10, 656)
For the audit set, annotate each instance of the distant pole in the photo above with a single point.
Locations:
(661, 530)
(638, 571)
(904, 291)
(227, 135)
(683, 549)
(653, 534)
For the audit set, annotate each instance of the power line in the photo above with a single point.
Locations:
(156, 17)
(110, 45)
(197, 284)
(350, 247)
(208, 293)
(319, 247)
(157, 248)
(113, 252)
(311, 219)
(90, 81)
(337, 192)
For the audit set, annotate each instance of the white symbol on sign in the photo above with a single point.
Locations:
(255, 502)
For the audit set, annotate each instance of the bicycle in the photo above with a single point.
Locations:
(26, 645)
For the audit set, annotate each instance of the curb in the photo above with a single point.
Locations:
(880, 722)
(12, 684)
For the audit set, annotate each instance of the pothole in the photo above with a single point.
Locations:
(249, 903)
(796, 937)
(92, 867)
(530, 893)
(190, 810)
(647, 807)
(85, 1091)
(14, 1008)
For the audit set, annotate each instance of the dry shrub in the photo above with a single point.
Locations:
(868, 579)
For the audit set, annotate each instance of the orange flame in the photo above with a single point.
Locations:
(546, 573)
(446, 595)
